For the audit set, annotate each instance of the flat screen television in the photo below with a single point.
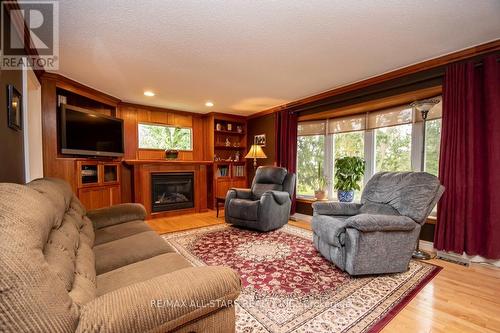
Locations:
(89, 133)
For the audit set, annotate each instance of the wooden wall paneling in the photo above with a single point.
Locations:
(129, 116)
(53, 165)
(199, 139)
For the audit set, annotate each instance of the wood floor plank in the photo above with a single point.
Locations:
(458, 299)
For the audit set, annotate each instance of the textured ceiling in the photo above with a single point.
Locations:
(247, 56)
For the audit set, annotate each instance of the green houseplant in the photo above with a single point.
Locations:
(321, 184)
(348, 173)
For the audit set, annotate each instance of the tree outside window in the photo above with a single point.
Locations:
(393, 148)
(432, 144)
(164, 137)
(310, 152)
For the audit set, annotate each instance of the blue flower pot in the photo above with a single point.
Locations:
(345, 196)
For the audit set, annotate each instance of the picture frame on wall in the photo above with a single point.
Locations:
(260, 140)
(14, 108)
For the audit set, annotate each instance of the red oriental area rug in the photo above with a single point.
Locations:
(289, 287)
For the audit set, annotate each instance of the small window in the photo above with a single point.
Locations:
(165, 137)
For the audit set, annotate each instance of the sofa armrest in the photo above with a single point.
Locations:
(105, 217)
(373, 222)
(163, 303)
(278, 196)
(336, 208)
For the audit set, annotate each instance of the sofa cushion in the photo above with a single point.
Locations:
(140, 271)
(244, 209)
(120, 231)
(128, 250)
(33, 297)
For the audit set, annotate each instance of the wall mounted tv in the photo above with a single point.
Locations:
(89, 133)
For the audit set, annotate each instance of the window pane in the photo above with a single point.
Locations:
(393, 148)
(350, 144)
(164, 137)
(432, 144)
(310, 152)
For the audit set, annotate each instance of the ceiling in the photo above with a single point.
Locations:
(248, 56)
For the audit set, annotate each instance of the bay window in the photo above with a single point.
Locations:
(389, 140)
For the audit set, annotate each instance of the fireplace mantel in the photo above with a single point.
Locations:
(141, 185)
(138, 162)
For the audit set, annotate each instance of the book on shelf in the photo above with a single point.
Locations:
(239, 171)
(222, 171)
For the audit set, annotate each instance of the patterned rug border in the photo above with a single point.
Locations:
(307, 234)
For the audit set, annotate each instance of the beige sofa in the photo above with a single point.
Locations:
(63, 269)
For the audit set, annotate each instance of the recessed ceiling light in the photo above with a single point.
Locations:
(149, 93)
(209, 104)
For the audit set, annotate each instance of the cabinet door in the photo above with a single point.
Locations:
(240, 183)
(223, 185)
(95, 197)
(115, 195)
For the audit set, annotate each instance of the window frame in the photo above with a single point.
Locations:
(369, 152)
(164, 125)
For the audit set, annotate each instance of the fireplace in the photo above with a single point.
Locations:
(172, 191)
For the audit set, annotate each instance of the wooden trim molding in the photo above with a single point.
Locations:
(81, 89)
(160, 109)
(422, 66)
(374, 105)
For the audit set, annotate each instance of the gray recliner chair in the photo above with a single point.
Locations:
(379, 234)
(264, 207)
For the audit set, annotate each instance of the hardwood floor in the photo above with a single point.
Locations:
(458, 299)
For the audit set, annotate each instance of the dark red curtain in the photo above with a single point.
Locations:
(469, 166)
(286, 143)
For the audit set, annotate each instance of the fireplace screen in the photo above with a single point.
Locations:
(171, 191)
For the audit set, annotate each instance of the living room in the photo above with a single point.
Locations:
(285, 166)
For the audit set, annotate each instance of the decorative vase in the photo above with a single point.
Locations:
(345, 196)
(320, 195)
(171, 154)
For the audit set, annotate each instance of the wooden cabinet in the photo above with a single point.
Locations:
(99, 197)
(224, 184)
(98, 183)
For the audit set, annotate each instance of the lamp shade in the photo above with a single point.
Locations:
(256, 152)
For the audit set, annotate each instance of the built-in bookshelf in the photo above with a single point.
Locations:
(229, 150)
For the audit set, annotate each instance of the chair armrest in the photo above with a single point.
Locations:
(278, 196)
(330, 229)
(105, 217)
(373, 222)
(241, 193)
(336, 208)
(163, 303)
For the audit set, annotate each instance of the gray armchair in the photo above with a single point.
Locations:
(264, 207)
(379, 234)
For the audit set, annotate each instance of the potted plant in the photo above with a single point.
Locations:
(320, 192)
(348, 173)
